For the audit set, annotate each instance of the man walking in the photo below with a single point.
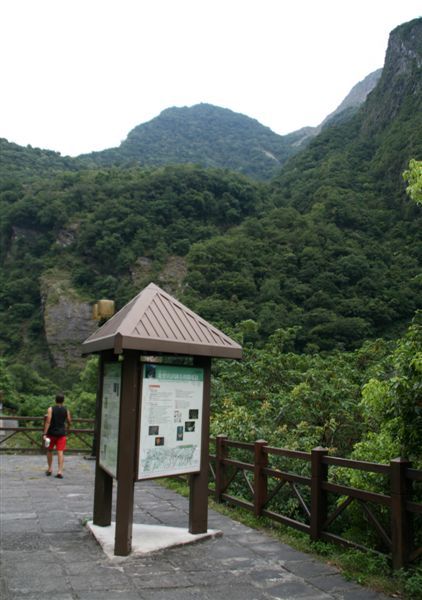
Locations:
(55, 429)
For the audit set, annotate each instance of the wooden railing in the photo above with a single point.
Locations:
(30, 429)
(319, 502)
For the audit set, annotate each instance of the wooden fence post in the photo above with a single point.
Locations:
(260, 479)
(220, 455)
(319, 473)
(401, 520)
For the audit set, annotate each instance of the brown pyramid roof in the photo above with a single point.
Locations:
(154, 321)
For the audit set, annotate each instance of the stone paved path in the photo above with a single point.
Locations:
(47, 553)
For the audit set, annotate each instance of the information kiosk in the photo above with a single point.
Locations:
(152, 413)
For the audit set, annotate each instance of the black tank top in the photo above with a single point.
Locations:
(58, 421)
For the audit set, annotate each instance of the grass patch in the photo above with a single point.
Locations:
(369, 569)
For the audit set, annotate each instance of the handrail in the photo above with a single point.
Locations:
(289, 453)
(318, 514)
(71, 430)
(9, 431)
(40, 418)
(344, 490)
(414, 474)
(356, 464)
(277, 474)
(241, 445)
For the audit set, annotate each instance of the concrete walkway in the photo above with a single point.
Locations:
(47, 553)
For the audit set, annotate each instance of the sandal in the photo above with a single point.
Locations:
(48, 473)
(59, 476)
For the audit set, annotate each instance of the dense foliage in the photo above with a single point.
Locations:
(367, 403)
(17, 162)
(339, 283)
(96, 224)
(343, 271)
(413, 176)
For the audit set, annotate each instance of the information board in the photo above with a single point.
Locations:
(171, 420)
(109, 437)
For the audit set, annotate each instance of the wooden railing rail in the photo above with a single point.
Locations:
(286, 476)
(289, 453)
(36, 442)
(38, 418)
(414, 474)
(314, 493)
(360, 465)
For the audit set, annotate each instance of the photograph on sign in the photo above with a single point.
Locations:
(171, 420)
(109, 435)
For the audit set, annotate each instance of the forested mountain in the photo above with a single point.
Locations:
(18, 162)
(206, 135)
(101, 233)
(329, 246)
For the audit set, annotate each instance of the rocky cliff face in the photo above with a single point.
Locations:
(170, 277)
(401, 79)
(67, 319)
(173, 274)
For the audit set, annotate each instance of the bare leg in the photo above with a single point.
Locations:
(49, 460)
(60, 460)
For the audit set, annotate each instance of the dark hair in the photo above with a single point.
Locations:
(59, 398)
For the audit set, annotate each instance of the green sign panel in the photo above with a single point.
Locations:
(171, 420)
(109, 437)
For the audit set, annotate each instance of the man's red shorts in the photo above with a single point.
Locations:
(58, 441)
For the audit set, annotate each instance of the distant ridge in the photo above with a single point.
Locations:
(344, 111)
(212, 136)
(203, 134)
(355, 98)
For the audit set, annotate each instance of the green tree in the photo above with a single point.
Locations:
(294, 400)
(392, 403)
(8, 393)
(413, 176)
(82, 396)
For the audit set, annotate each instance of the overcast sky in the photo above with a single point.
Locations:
(78, 75)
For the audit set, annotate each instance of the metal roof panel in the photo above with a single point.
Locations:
(155, 321)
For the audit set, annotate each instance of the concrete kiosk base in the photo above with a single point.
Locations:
(148, 538)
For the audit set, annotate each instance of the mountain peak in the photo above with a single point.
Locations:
(203, 134)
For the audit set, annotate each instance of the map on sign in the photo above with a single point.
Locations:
(171, 420)
(110, 417)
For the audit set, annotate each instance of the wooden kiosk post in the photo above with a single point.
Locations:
(198, 492)
(153, 405)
